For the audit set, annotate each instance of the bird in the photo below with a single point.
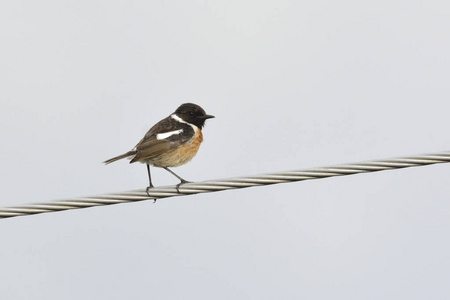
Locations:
(171, 142)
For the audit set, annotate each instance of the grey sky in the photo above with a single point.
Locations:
(293, 84)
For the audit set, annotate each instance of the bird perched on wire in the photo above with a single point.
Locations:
(171, 142)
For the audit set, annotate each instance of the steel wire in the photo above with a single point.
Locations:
(226, 184)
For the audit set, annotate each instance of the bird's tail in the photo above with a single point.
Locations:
(129, 153)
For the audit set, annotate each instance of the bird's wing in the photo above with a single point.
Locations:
(150, 146)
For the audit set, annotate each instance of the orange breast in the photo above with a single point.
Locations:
(180, 156)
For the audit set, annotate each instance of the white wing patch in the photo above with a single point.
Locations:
(165, 135)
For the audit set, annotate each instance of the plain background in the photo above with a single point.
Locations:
(293, 84)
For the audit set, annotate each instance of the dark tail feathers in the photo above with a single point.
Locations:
(129, 153)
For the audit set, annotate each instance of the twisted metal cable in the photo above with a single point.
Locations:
(226, 184)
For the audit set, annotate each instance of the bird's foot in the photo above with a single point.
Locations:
(147, 191)
(182, 182)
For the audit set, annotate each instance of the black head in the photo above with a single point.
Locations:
(192, 113)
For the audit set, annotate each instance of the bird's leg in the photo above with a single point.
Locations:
(181, 179)
(149, 181)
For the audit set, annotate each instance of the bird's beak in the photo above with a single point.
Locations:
(206, 117)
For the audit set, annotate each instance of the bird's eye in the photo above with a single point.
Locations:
(191, 113)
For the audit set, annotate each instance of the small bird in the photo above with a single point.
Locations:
(171, 142)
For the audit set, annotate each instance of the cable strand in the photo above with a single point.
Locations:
(226, 184)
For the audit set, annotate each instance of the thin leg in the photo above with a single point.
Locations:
(150, 184)
(149, 180)
(181, 179)
(173, 173)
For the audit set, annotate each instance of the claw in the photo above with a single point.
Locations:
(182, 182)
(147, 189)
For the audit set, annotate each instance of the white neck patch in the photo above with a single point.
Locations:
(165, 135)
(177, 118)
